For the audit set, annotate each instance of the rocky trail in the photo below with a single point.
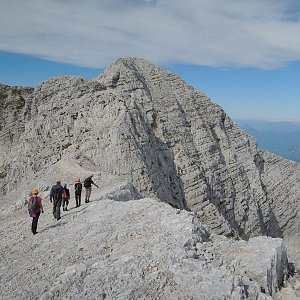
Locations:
(118, 247)
(188, 206)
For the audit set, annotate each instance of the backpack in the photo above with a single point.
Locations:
(64, 194)
(87, 182)
(78, 187)
(57, 194)
(33, 205)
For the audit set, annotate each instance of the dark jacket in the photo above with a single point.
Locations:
(88, 182)
(56, 192)
(78, 188)
(67, 192)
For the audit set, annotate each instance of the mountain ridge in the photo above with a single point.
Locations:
(181, 147)
(142, 124)
(120, 246)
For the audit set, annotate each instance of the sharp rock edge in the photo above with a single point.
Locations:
(141, 124)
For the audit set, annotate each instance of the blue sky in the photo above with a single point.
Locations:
(245, 55)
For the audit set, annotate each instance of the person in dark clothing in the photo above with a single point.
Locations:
(78, 190)
(56, 197)
(65, 197)
(35, 208)
(88, 187)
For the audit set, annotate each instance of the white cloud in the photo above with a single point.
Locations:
(239, 33)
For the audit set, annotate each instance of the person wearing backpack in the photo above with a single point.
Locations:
(35, 208)
(88, 187)
(78, 190)
(56, 197)
(65, 197)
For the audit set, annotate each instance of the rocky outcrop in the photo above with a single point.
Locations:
(281, 179)
(114, 248)
(143, 124)
(12, 125)
(12, 114)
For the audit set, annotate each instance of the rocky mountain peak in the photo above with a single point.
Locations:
(141, 124)
(144, 124)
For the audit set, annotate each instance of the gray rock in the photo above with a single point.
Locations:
(137, 249)
(143, 126)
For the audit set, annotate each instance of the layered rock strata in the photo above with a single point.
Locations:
(138, 249)
(144, 124)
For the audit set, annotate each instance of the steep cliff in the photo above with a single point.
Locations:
(12, 125)
(144, 124)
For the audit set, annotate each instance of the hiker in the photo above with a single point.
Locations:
(88, 187)
(56, 196)
(78, 190)
(35, 208)
(65, 197)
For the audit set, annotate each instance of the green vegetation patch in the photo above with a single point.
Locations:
(17, 102)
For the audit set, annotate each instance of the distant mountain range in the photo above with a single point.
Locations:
(280, 137)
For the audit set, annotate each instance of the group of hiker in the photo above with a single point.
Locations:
(59, 196)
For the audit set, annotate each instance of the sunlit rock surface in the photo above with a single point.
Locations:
(141, 124)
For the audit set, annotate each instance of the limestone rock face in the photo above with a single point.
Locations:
(144, 124)
(12, 114)
(12, 125)
(143, 133)
(138, 249)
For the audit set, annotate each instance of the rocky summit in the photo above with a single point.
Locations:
(187, 206)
